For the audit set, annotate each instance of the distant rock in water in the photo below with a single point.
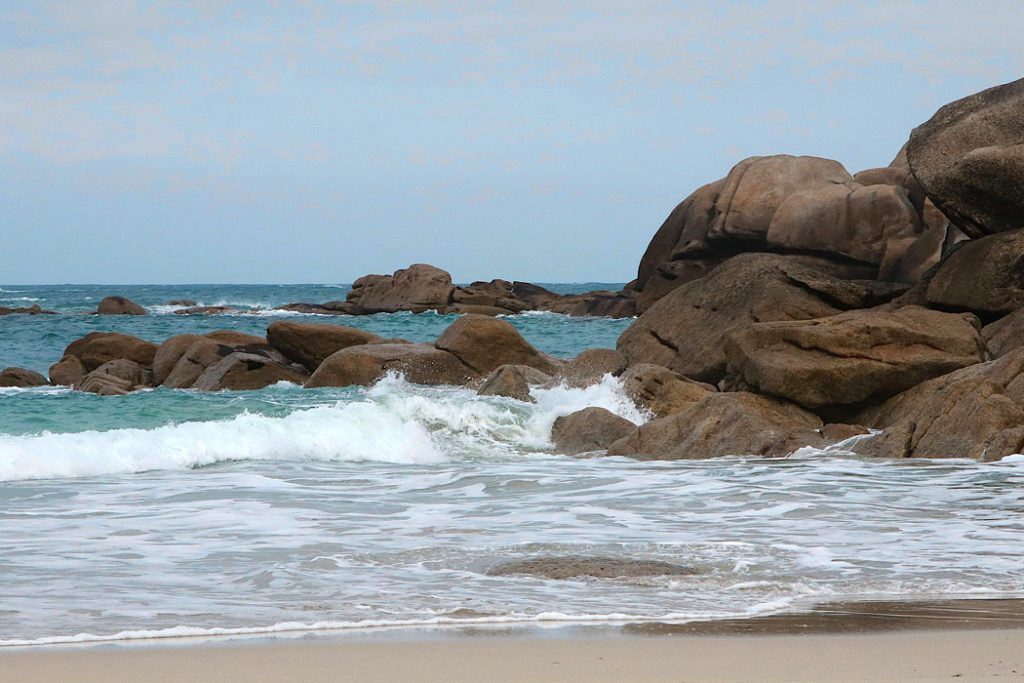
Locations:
(205, 310)
(181, 302)
(575, 566)
(20, 377)
(34, 309)
(118, 305)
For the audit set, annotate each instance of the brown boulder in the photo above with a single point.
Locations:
(118, 305)
(852, 357)
(1004, 335)
(34, 309)
(67, 371)
(495, 294)
(590, 367)
(720, 424)
(191, 365)
(975, 412)
(512, 381)
(309, 344)
(661, 391)
(685, 331)
(96, 348)
(363, 365)
(205, 310)
(985, 276)
(236, 338)
(484, 343)
(20, 377)
(418, 288)
(240, 371)
(169, 353)
(587, 430)
(969, 159)
(114, 378)
(573, 566)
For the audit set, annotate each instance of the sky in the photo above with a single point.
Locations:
(315, 142)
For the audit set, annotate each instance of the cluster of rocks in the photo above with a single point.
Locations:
(789, 304)
(422, 287)
(34, 309)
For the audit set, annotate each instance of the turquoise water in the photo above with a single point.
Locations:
(286, 510)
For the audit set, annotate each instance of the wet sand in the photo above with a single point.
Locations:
(875, 641)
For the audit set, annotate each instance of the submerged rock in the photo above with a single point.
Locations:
(512, 381)
(34, 309)
(587, 430)
(590, 367)
(576, 566)
(20, 377)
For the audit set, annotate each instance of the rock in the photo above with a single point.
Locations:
(590, 429)
(535, 297)
(661, 391)
(512, 381)
(671, 275)
(590, 367)
(96, 348)
(309, 344)
(1004, 335)
(685, 331)
(205, 310)
(835, 432)
(736, 423)
(169, 353)
(34, 309)
(181, 302)
(484, 343)
(239, 371)
(969, 159)
(191, 365)
(985, 276)
(850, 220)
(363, 365)
(67, 371)
(114, 378)
(235, 338)
(475, 309)
(20, 377)
(975, 412)
(573, 566)
(600, 303)
(118, 305)
(853, 357)
(337, 308)
(496, 294)
(418, 288)
(887, 175)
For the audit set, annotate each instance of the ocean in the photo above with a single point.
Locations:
(290, 511)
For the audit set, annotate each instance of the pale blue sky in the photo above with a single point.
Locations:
(165, 142)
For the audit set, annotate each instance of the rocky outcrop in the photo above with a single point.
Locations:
(985, 276)
(512, 381)
(239, 371)
(418, 288)
(735, 423)
(969, 159)
(67, 371)
(115, 378)
(96, 348)
(657, 389)
(20, 377)
(34, 309)
(1004, 335)
(975, 412)
(169, 353)
(484, 343)
(190, 366)
(309, 344)
(205, 310)
(590, 367)
(588, 430)
(365, 364)
(853, 357)
(118, 305)
(686, 330)
(574, 566)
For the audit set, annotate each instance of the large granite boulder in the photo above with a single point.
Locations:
(309, 344)
(975, 412)
(418, 288)
(239, 371)
(852, 357)
(590, 367)
(236, 338)
(969, 159)
(735, 423)
(483, 343)
(20, 377)
(169, 353)
(118, 305)
(685, 331)
(190, 366)
(588, 430)
(512, 381)
(659, 390)
(96, 348)
(115, 378)
(364, 365)
(67, 371)
(496, 294)
(984, 275)
(1004, 335)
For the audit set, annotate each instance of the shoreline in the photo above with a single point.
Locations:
(870, 640)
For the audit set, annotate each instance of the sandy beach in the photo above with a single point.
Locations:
(873, 641)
